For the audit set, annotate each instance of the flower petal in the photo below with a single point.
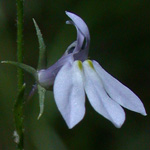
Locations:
(69, 93)
(118, 92)
(80, 24)
(98, 97)
(80, 38)
(81, 28)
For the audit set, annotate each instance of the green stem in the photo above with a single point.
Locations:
(19, 118)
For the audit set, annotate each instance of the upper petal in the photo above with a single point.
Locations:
(80, 24)
(82, 30)
(98, 97)
(80, 38)
(69, 93)
(118, 92)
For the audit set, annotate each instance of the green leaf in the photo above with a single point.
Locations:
(41, 92)
(27, 68)
(18, 114)
(42, 48)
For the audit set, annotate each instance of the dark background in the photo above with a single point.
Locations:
(120, 42)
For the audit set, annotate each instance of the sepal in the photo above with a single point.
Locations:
(41, 92)
(42, 48)
(25, 67)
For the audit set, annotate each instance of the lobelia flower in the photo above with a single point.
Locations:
(73, 75)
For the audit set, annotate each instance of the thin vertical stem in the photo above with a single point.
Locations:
(19, 118)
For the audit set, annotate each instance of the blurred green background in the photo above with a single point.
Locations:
(120, 41)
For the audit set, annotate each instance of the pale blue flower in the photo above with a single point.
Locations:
(73, 76)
